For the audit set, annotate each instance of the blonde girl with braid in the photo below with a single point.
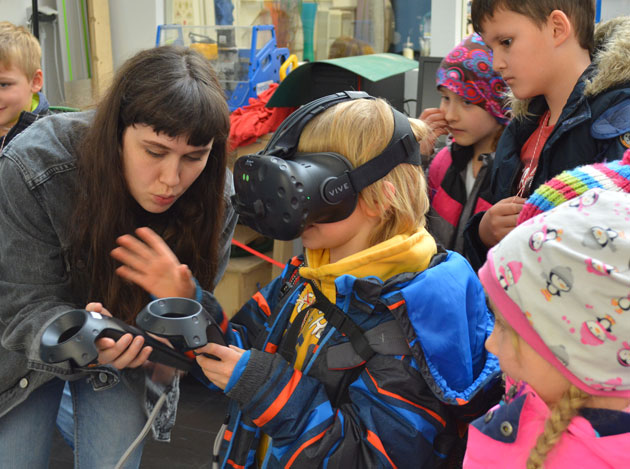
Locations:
(559, 287)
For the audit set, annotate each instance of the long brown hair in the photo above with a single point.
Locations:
(175, 91)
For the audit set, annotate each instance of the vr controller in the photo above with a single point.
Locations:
(183, 321)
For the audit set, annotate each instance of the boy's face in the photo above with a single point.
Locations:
(16, 94)
(522, 363)
(521, 52)
(342, 238)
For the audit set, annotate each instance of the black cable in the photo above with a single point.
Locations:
(35, 20)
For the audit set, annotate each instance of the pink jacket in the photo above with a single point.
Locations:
(504, 437)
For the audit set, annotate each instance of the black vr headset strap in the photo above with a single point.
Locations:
(287, 136)
(403, 148)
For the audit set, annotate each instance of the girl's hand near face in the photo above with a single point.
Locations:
(126, 352)
(499, 220)
(219, 371)
(149, 263)
(436, 121)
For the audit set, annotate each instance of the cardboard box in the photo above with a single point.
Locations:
(243, 277)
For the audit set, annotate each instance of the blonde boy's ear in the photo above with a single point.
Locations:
(390, 191)
(380, 205)
(560, 26)
(38, 81)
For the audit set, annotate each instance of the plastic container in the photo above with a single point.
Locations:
(408, 49)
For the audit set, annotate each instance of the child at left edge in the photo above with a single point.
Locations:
(21, 81)
(313, 401)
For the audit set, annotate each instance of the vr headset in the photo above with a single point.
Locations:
(280, 192)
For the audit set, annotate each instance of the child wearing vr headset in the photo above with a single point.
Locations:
(355, 356)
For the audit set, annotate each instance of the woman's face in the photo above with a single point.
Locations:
(159, 169)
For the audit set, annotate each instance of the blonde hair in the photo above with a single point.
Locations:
(360, 130)
(19, 48)
(561, 415)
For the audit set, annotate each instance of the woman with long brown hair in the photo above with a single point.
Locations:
(150, 160)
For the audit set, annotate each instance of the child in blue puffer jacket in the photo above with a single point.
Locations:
(368, 350)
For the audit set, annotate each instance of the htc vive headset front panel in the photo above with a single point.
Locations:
(279, 192)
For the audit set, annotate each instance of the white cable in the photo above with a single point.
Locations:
(217, 446)
(60, 79)
(143, 433)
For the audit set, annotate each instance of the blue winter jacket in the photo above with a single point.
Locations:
(401, 408)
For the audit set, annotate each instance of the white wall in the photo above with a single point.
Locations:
(446, 25)
(134, 26)
(613, 8)
(15, 10)
(133, 23)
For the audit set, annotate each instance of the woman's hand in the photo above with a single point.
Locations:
(219, 371)
(499, 220)
(436, 121)
(126, 352)
(149, 263)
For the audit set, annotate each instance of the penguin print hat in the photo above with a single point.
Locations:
(562, 281)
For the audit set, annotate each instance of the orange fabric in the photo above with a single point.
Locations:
(304, 445)
(271, 348)
(262, 303)
(400, 398)
(396, 305)
(254, 120)
(376, 442)
(227, 436)
(280, 401)
(234, 465)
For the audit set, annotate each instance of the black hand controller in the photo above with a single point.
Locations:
(184, 322)
(72, 335)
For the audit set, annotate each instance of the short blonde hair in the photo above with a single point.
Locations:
(19, 48)
(360, 130)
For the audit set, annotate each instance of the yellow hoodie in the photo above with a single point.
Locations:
(397, 255)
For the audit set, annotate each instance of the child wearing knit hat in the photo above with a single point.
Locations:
(559, 285)
(472, 112)
(614, 176)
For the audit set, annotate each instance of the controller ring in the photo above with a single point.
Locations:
(182, 320)
(71, 335)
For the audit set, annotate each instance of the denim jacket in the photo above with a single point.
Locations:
(37, 185)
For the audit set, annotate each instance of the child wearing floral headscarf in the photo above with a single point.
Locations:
(472, 112)
(559, 285)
